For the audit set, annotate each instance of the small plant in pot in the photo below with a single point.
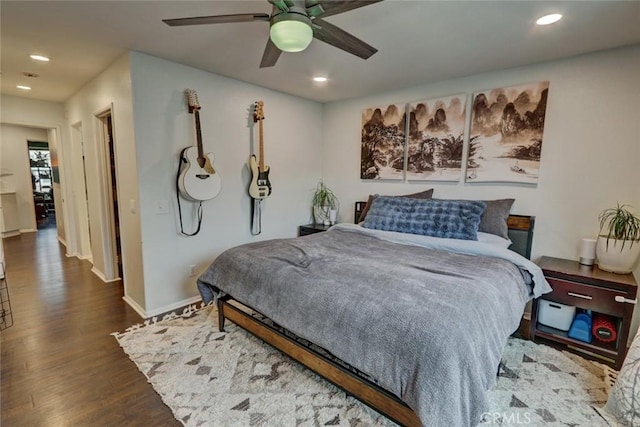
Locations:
(618, 246)
(325, 205)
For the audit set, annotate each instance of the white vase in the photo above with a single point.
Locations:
(321, 214)
(615, 259)
(333, 216)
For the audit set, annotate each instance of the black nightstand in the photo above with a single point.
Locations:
(305, 230)
(593, 289)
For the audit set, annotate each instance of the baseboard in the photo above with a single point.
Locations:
(162, 310)
(29, 230)
(61, 240)
(102, 277)
(135, 306)
(174, 307)
(80, 257)
(10, 233)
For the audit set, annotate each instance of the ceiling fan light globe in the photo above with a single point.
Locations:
(291, 35)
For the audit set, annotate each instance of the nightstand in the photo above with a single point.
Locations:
(305, 230)
(588, 288)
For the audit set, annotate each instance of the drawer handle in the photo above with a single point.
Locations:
(571, 294)
(620, 298)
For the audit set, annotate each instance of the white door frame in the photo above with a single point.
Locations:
(78, 190)
(107, 219)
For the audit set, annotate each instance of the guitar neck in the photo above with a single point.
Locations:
(261, 163)
(196, 113)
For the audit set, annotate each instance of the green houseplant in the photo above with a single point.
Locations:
(618, 246)
(325, 205)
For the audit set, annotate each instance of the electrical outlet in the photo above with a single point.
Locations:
(192, 270)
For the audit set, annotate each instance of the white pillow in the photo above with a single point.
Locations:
(492, 239)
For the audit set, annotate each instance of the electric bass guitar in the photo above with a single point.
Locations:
(198, 180)
(260, 187)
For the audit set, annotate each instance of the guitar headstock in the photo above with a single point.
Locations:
(192, 100)
(258, 114)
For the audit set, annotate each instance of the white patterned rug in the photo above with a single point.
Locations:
(209, 378)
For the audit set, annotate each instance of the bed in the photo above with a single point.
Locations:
(411, 325)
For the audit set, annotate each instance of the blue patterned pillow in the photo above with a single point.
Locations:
(453, 219)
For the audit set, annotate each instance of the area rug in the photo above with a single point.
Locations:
(209, 378)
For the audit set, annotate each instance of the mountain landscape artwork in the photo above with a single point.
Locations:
(383, 142)
(436, 138)
(505, 141)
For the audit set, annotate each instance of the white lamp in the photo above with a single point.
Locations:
(587, 251)
(291, 31)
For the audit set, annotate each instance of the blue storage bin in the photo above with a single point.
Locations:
(581, 328)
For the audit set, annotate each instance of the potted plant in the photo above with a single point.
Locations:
(618, 246)
(325, 205)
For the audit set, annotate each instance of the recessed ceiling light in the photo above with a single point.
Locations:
(23, 87)
(319, 79)
(549, 19)
(39, 58)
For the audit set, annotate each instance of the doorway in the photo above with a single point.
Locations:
(111, 193)
(42, 184)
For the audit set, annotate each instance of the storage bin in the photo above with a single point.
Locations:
(555, 315)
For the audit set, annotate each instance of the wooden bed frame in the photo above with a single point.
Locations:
(333, 370)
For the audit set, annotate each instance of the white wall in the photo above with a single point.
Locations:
(14, 155)
(293, 138)
(109, 90)
(54, 150)
(589, 156)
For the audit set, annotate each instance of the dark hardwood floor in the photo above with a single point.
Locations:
(59, 365)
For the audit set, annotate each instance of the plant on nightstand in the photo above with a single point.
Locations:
(618, 246)
(325, 205)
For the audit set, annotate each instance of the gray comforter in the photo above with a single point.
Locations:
(428, 325)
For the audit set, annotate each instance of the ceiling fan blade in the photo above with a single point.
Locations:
(335, 36)
(332, 7)
(270, 55)
(217, 19)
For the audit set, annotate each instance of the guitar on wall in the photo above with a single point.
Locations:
(198, 180)
(260, 187)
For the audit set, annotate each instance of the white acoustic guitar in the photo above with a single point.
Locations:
(198, 179)
(260, 187)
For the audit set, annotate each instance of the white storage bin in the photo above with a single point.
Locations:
(555, 315)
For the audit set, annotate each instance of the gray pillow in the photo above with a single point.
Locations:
(453, 219)
(623, 404)
(494, 218)
(427, 194)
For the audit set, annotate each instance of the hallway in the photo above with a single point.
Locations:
(59, 365)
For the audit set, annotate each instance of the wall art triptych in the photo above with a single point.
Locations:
(504, 143)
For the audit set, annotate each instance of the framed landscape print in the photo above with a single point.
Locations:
(505, 141)
(383, 142)
(436, 138)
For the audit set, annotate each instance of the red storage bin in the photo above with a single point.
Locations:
(604, 328)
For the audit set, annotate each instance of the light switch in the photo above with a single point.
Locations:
(132, 206)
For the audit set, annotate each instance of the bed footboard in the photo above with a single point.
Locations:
(360, 388)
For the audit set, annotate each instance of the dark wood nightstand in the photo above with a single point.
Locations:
(305, 230)
(588, 288)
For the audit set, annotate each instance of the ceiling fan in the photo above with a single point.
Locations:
(293, 24)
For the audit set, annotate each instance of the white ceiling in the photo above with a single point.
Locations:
(418, 42)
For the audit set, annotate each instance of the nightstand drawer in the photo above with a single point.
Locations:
(587, 297)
